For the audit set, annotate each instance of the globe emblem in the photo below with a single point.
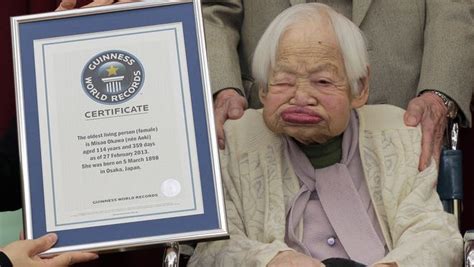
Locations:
(112, 77)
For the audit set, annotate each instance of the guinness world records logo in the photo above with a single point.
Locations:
(112, 77)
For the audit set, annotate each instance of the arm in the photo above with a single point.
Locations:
(422, 233)
(239, 250)
(447, 66)
(448, 54)
(10, 187)
(222, 22)
(256, 233)
(25, 253)
(71, 4)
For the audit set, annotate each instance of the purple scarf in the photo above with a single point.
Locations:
(339, 199)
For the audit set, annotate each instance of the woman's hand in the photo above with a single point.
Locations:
(24, 253)
(292, 258)
(71, 4)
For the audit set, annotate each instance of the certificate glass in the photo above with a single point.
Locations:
(116, 128)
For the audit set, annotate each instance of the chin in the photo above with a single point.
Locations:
(306, 136)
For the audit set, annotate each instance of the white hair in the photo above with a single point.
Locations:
(350, 39)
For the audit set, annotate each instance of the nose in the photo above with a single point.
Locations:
(303, 97)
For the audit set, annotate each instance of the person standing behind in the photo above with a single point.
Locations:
(421, 55)
(420, 52)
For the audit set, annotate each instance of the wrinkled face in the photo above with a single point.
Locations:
(308, 95)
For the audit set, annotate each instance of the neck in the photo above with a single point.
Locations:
(323, 155)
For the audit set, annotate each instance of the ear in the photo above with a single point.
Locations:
(361, 99)
(262, 95)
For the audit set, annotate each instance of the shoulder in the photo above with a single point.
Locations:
(381, 117)
(249, 131)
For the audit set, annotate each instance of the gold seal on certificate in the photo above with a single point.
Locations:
(120, 130)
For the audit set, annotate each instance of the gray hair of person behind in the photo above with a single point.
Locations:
(350, 38)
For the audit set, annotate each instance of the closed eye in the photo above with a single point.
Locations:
(323, 82)
(281, 84)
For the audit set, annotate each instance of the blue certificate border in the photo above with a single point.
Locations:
(30, 31)
(171, 28)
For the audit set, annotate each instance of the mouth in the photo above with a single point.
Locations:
(300, 115)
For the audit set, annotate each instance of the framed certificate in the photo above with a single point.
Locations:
(116, 126)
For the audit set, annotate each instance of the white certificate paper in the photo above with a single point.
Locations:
(116, 128)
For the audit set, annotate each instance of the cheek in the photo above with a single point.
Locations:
(271, 111)
(338, 110)
(274, 101)
(335, 104)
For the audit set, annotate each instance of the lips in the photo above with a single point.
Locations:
(300, 115)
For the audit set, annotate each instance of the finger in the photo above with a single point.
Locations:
(220, 136)
(66, 5)
(427, 143)
(438, 140)
(71, 258)
(437, 152)
(99, 3)
(128, 1)
(236, 107)
(414, 113)
(41, 244)
(220, 116)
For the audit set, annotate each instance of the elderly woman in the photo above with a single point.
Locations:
(316, 175)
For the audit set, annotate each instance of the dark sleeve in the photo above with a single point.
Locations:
(4, 260)
(10, 181)
(339, 262)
